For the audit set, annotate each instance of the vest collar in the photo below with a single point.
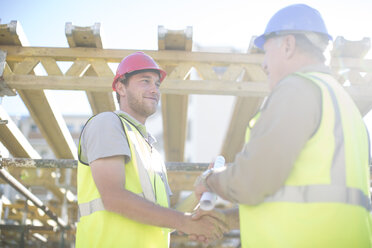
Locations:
(316, 68)
(140, 127)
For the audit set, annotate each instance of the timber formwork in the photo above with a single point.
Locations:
(44, 211)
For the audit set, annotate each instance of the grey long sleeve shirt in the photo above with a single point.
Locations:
(289, 118)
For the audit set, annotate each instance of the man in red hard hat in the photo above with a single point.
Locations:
(123, 192)
(302, 178)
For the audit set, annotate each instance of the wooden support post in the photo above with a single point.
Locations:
(90, 37)
(174, 107)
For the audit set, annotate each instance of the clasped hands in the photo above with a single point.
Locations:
(207, 225)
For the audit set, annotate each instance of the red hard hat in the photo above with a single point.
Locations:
(136, 62)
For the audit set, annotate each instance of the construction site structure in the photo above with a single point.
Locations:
(38, 205)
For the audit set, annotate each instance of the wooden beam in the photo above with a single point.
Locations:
(361, 94)
(169, 86)
(50, 123)
(17, 53)
(12, 34)
(174, 114)
(4, 69)
(14, 140)
(90, 37)
(245, 108)
(100, 101)
(175, 39)
(83, 36)
(174, 107)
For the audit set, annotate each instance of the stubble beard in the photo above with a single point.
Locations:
(141, 108)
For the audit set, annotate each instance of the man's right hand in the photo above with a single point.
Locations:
(204, 229)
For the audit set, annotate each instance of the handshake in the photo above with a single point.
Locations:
(206, 224)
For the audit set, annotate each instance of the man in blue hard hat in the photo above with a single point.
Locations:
(302, 178)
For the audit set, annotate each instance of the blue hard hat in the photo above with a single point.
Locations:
(296, 18)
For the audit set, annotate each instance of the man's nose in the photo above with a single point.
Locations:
(155, 88)
(264, 67)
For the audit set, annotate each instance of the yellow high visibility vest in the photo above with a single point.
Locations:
(145, 175)
(325, 201)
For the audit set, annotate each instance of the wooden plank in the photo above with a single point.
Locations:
(361, 94)
(83, 36)
(206, 71)
(174, 115)
(182, 180)
(4, 69)
(175, 39)
(38, 177)
(12, 34)
(16, 53)
(341, 63)
(245, 108)
(169, 86)
(100, 101)
(255, 73)
(232, 72)
(51, 67)
(218, 87)
(51, 124)
(90, 37)
(14, 140)
(174, 107)
(77, 68)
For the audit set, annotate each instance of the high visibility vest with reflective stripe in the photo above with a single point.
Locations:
(145, 175)
(325, 201)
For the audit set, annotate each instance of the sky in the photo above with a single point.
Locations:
(134, 25)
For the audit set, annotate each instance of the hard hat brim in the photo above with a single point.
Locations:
(260, 41)
(162, 74)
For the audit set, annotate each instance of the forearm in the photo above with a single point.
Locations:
(250, 179)
(109, 176)
(139, 209)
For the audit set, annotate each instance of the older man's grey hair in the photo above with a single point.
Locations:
(312, 43)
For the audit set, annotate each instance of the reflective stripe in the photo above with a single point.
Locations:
(95, 205)
(338, 170)
(336, 191)
(321, 194)
(143, 174)
(88, 208)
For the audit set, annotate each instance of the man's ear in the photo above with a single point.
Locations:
(121, 89)
(289, 43)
